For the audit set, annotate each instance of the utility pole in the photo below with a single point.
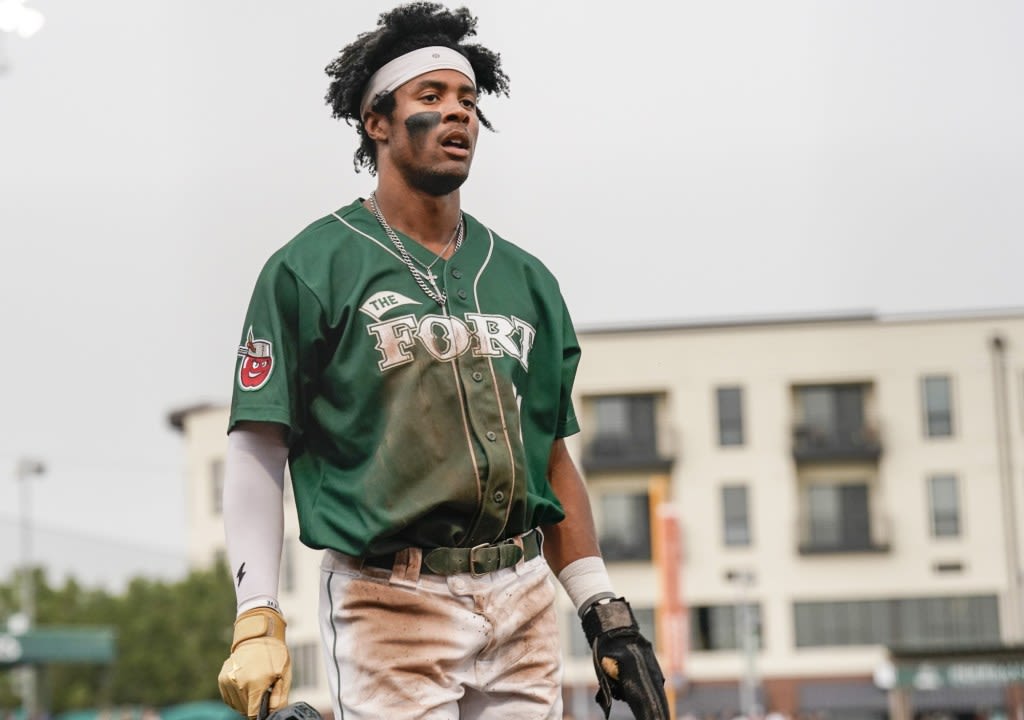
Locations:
(23, 473)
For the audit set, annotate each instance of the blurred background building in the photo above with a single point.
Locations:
(847, 498)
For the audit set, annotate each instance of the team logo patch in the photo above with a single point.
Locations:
(257, 362)
(379, 303)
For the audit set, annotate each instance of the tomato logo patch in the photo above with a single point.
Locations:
(257, 362)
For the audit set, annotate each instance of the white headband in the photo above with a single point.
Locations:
(413, 64)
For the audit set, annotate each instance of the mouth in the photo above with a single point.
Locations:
(456, 144)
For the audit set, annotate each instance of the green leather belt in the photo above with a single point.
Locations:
(478, 560)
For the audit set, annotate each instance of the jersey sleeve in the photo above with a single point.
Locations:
(273, 370)
(567, 421)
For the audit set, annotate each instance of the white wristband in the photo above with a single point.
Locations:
(259, 601)
(586, 580)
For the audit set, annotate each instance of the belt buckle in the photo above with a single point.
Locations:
(472, 561)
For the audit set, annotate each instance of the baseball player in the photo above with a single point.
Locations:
(414, 370)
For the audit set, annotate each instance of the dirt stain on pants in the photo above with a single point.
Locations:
(410, 646)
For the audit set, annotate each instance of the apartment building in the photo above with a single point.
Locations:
(847, 490)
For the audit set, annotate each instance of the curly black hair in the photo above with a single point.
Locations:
(399, 31)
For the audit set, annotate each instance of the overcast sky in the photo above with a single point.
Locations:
(668, 160)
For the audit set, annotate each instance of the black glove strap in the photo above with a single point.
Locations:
(605, 617)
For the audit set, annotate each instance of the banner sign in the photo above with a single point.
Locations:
(42, 645)
(935, 675)
(673, 622)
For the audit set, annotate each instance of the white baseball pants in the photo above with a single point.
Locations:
(402, 645)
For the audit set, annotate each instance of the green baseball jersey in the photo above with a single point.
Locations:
(409, 424)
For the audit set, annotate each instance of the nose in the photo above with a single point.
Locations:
(456, 112)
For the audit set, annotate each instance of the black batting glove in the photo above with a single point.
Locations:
(624, 661)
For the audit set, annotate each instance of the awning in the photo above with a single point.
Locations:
(200, 710)
(854, 695)
(705, 698)
(960, 699)
(816, 696)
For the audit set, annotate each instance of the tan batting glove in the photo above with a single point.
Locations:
(259, 658)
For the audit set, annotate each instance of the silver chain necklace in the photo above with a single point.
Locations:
(433, 292)
(432, 263)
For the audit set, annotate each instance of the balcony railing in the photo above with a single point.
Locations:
(814, 444)
(875, 538)
(612, 453)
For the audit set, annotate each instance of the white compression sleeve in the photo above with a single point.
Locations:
(254, 514)
(585, 581)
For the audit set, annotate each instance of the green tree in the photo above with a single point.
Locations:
(171, 640)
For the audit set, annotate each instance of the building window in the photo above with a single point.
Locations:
(838, 517)
(578, 641)
(306, 661)
(735, 519)
(938, 406)
(832, 415)
(625, 529)
(944, 499)
(730, 415)
(624, 429)
(863, 622)
(718, 627)
(288, 565)
(931, 622)
(217, 485)
(937, 621)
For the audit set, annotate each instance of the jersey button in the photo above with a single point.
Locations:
(456, 273)
(491, 436)
(462, 294)
(499, 496)
(478, 376)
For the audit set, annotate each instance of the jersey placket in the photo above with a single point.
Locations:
(482, 404)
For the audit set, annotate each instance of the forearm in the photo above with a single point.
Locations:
(574, 537)
(571, 547)
(253, 512)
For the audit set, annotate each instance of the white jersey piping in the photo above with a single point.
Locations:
(354, 229)
(494, 383)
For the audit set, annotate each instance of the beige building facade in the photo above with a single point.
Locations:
(848, 490)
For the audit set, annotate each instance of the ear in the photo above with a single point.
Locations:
(377, 126)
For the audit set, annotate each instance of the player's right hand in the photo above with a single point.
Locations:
(624, 660)
(259, 659)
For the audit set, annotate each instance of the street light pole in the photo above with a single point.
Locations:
(23, 472)
(1014, 625)
(746, 630)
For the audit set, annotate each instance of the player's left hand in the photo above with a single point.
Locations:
(624, 661)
